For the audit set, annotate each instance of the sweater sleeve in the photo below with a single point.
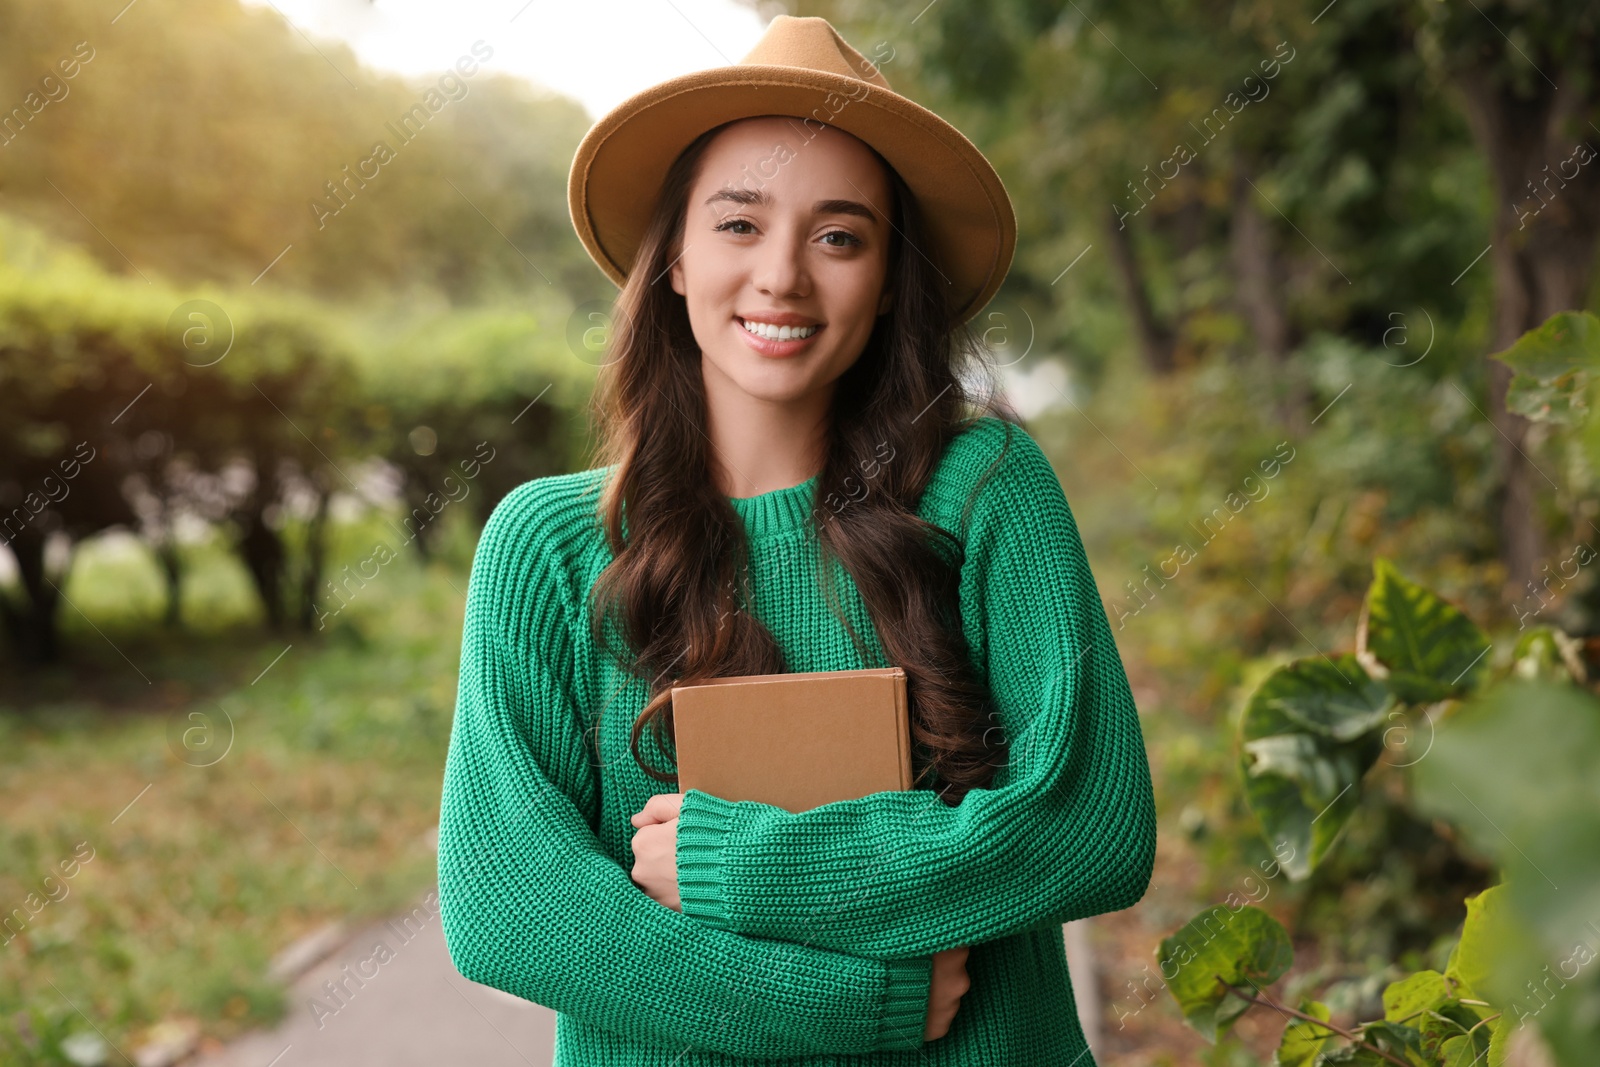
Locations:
(532, 904)
(1066, 829)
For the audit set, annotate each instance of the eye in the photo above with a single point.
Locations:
(851, 239)
(730, 222)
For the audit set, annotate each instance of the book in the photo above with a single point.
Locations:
(796, 741)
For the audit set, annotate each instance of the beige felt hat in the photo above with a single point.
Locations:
(803, 68)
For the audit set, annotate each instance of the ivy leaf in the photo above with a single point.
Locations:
(1423, 646)
(1246, 948)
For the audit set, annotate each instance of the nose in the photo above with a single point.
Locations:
(780, 269)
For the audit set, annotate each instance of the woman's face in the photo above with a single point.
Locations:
(785, 226)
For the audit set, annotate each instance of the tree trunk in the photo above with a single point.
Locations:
(34, 624)
(420, 528)
(316, 555)
(1154, 339)
(1543, 238)
(1256, 274)
(259, 545)
(172, 573)
(263, 555)
(171, 564)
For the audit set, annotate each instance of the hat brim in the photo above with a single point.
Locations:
(620, 164)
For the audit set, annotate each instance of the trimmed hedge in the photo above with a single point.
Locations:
(129, 404)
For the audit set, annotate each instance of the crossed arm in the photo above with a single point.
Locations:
(532, 904)
(1066, 830)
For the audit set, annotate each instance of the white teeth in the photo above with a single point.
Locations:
(778, 333)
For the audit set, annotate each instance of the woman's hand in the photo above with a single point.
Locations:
(655, 849)
(949, 984)
(655, 870)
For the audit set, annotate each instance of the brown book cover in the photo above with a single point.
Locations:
(796, 741)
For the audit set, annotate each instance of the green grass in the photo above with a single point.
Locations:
(233, 801)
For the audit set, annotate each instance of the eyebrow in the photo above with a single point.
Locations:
(821, 207)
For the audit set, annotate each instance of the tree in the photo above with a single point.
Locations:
(1533, 102)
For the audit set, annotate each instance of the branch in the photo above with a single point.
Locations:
(1346, 1034)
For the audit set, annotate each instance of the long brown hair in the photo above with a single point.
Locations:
(674, 590)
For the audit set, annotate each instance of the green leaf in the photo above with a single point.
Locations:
(1489, 928)
(1350, 1056)
(1335, 699)
(1246, 948)
(1546, 653)
(1514, 768)
(1500, 1043)
(1426, 648)
(1307, 737)
(1410, 997)
(1302, 1041)
(1458, 1051)
(1464, 1051)
(1397, 1039)
(1555, 363)
(1296, 756)
(1451, 1021)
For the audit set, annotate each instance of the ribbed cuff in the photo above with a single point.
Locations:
(905, 1002)
(703, 825)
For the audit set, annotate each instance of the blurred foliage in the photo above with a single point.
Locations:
(1557, 383)
(200, 381)
(217, 175)
(342, 741)
(1516, 772)
(132, 405)
(1517, 721)
(1336, 129)
(1220, 965)
(1395, 471)
(1313, 730)
(1524, 739)
(1275, 387)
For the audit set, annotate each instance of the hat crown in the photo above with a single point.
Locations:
(812, 43)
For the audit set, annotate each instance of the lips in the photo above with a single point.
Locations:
(776, 348)
(778, 330)
(774, 317)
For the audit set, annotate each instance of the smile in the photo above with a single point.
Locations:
(770, 332)
(778, 342)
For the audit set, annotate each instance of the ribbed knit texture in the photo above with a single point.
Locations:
(805, 938)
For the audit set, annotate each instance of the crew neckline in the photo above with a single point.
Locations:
(778, 510)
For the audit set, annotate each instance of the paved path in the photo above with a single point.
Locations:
(415, 1009)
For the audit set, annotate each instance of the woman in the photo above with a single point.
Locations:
(797, 480)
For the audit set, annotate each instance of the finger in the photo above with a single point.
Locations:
(660, 808)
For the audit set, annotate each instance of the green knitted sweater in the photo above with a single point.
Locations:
(805, 938)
